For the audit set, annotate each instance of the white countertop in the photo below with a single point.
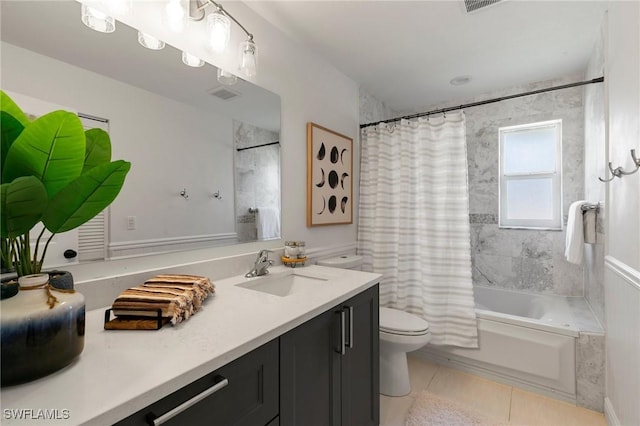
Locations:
(120, 372)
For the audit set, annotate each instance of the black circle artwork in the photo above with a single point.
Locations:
(333, 179)
(330, 185)
(332, 203)
(334, 155)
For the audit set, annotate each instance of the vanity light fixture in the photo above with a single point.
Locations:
(248, 58)
(177, 12)
(226, 78)
(219, 30)
(97, 20)
(191, 60)
(150, 42)
(219, 33)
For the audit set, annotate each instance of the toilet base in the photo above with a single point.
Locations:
(394, 373)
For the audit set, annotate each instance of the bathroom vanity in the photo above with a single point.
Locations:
(298, 346)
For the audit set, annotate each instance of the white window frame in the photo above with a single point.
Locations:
(556, 177)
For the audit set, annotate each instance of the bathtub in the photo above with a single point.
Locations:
(525, 340)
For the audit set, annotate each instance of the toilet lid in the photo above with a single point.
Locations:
(399, 322)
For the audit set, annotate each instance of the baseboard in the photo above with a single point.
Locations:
(470, 366)
(610, 414)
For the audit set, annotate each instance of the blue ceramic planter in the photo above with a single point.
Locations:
(37, 340)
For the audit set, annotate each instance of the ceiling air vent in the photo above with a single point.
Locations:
(223, 93)
(473, 5)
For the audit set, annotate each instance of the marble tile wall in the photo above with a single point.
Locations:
(518, 259)
(372, 109)
(590, 359)
(257, 176)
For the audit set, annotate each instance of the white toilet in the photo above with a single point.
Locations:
(400, 332)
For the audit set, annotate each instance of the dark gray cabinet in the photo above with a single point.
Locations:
(243, 392)
(329, 366)
(324, 372)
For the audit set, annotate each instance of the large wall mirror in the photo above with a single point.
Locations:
(205, 156)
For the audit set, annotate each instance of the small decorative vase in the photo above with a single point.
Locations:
(42, 330)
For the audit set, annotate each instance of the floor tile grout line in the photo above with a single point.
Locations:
(510, 404)
(433, 377)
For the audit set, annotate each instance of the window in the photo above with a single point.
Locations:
(531, 175)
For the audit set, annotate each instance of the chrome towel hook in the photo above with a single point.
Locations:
(618, 172)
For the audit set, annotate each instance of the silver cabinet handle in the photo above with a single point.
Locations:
(350, 342)
(342, 332)
(191, 402)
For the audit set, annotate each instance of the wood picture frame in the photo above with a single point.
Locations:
(329, 177)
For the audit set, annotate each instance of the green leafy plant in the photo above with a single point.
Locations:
(54, 172)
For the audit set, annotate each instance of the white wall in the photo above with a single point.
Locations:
(622, 261)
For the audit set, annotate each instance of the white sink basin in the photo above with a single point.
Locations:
(284, 283)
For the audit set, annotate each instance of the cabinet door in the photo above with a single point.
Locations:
(361, 361)
(310, 372)
(249, 398)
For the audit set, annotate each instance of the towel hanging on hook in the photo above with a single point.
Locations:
(618, 172)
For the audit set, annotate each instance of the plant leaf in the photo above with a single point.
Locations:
(98, 149)
(10, 129)
(7, 105)
(85, 197)
(51, 148)
(22, 204)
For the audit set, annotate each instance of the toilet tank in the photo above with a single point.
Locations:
(347, 261)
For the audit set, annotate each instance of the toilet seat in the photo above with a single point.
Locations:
(394, 321)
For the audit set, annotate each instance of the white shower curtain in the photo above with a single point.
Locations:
(414, 222)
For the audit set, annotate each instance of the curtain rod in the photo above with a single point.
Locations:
(488, 101)
(258, 146)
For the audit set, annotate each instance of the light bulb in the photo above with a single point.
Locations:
(176, 12)
(226, 78)
(219, 28)
(248, 58)
(150, 42)
(97, 20)
(191, 60)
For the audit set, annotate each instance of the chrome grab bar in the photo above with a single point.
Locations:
(191, 402)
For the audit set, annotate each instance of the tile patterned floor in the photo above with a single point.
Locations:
(498, 401)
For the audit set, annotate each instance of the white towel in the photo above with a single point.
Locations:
(268, 223)
(575, 233)
(589, 218)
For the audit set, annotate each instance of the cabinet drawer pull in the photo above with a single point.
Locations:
(221, 382)
(350, 341)
(343, 331)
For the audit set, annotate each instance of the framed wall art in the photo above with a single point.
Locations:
(329, 177)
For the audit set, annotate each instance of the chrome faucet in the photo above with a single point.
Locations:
(261, 267)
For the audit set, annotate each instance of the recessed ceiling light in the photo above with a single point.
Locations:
(460, 80)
